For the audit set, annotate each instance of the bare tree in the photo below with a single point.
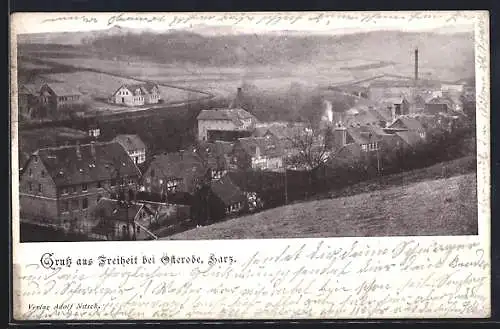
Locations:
(311, 151)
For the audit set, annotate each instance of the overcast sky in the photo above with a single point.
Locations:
(327, 22)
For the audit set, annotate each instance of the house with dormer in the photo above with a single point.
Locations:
(60, 185)
(137, 94)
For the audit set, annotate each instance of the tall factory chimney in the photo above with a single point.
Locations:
(416, 64)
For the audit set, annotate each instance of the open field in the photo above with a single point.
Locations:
(101, 85)
(221, 79)
(434, 207)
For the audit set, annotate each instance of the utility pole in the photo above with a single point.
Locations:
(286, 180)
(378, 160)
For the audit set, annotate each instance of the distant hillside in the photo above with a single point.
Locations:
(450, 50)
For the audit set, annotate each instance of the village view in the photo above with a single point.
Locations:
(119, 142)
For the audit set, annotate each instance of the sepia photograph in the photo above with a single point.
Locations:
(267, 165)
(213, 131)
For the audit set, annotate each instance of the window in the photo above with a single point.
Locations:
(35, 158)
(75, 205)
(364, 147)
(113, 182)
(40, 188)
(30, 187)
(72, 189)
(152, 173)
(172, 185)
(99, 184)
(85, 203)
(43, 173)
(84, 187)
(64, 190)
(30, 173)
(64, 206)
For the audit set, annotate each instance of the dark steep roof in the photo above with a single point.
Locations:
(66, 167)
(177, 165)
(227, 191)
(63, 89)
(268, 146)
(29, 88)
(364, 135)
(408, 122)
(409, 137)
(114, 210)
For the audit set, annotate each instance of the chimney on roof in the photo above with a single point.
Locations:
(339, 136)
(238, 100)
(92, 148)
(78, 151)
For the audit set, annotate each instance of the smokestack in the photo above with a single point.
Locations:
(416, 64)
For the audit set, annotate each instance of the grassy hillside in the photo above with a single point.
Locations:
(434, 207)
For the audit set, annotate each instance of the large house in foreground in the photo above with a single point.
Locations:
(137, 94)
(60, 185)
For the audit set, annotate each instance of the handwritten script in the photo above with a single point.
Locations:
(318, 280)
(268, 19)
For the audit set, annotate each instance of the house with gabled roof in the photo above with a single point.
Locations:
(435, 105)
(59, 95)
(408, 138)
(357, 140)
(137, 94)
(258, 153)
(183, 171)
(59, 185)
(117, 220)
(407, 123)
(225, 124)
(28, 96)
(134, 146)
(221, 199)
